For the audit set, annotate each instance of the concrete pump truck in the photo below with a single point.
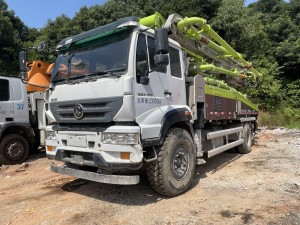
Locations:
(147, 93)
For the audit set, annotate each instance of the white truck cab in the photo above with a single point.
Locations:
(13, 101)
(19, 126)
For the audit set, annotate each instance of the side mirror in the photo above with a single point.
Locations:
(161, 57)
(22, 61)
(161, 41)
(41, 47)
(22, 65)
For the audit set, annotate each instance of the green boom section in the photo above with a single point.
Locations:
(191, 27)
(195, 28)
(219, 88)
(156, 21)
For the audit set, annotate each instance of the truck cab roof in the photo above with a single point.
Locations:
(99, 31)
(93, 34)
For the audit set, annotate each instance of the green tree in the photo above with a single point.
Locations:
(14, 36)
(281, 24)
(268, 92)
(293, 93)
(294, 11)
(58, 29)
(240, 27)
(10, 41)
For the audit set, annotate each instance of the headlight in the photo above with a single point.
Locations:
(122, 139)
(50, 135)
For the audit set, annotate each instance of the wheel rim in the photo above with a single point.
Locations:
(180, 163)
(15, 150)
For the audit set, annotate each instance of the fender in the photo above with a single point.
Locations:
(5, 126)
(170, 118)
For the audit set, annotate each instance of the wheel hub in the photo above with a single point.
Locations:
(180, 164)
(14, 150)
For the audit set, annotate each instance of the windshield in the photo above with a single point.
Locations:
(107, 55)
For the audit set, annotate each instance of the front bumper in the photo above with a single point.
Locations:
(87, 149)
(102, 178)
(92, 159)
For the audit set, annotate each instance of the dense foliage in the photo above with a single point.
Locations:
(266, 32)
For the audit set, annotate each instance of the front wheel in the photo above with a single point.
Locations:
(14, 149)
(173, 171)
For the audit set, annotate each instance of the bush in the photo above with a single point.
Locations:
(283, 117)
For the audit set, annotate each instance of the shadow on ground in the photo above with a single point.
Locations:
(142, 194)
(37, 155)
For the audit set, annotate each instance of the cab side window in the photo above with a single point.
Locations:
(141, 58)
(4, 90)
(151, 49)
(175, 62)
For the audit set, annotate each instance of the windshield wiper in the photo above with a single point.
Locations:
(92, 76)
(87, 76)
(104, 73)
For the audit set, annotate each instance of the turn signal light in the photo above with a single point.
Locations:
(125, 155)
(49, 148)
(188, 113)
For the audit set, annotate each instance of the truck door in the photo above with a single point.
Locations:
(177, 86)
(20, 101)
(6, 105)
(152, 100)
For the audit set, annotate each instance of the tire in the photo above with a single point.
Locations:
(247, 135)
(14, 149)
(172, 173)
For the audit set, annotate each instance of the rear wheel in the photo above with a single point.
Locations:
(247, 136)
(14, 149)
(173, 171)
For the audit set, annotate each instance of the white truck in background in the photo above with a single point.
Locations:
(22, 111)
(22, 121)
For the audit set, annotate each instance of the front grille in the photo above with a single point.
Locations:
(95, 110)
(94, 127)
(88, 115)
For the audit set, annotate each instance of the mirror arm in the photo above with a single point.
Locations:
(35, 85)
(152, 27)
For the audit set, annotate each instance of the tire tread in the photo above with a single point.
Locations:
(154, 172)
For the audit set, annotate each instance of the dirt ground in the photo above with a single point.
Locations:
(262, 187)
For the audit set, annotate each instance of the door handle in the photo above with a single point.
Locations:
(166, 92)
